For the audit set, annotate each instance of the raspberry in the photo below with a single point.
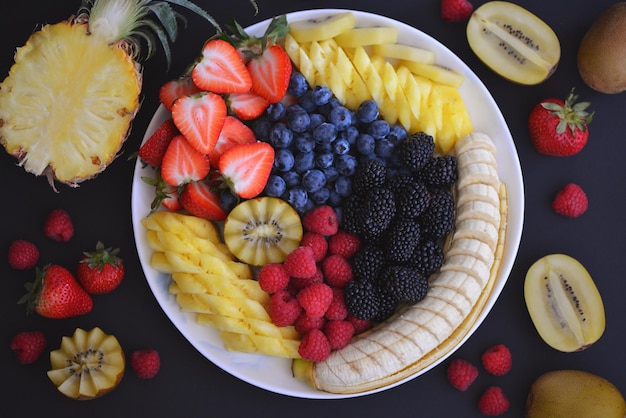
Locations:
(315, 299)
(304, 323)
(497, 360)
(283, 309)
(273, 277)
(302, 282)
(337, 310)
(322, 219)
(360, 325)
(339, 333)
(146, 363)
(337, 270)
(314, 346)
(59, 226)
(28, 346)
(317, 242)
(461, 374)
(493, 402)
(300, 263)
(344, 243)
(571, 201)
(23, 255)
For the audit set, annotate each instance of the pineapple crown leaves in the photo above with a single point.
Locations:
(571, 114)
(101, 257)
(252, 46)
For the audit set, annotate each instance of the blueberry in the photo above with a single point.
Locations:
(276, 111)
(275, 186)
(324, 147)
(313, 180)
(379, 128)
(280, 136)
(365, 144)
(316, 120)
(367, 111)
(341, 146)
(227, 200)
(331, 173)
(324, 159)
(298, 120)
(384, 148)
(345, 164)
(283, 159)
(326, 108)
(351, 133)
(321, 196)
(397, 133)
(304, 161)
(335, 199)
(343, 186)
(291, 178)
(306, 101)
(321, 95)
(297, 84)
(261, 128)
(341, 117)
(297, 197)
(304, 142)
(325, 133)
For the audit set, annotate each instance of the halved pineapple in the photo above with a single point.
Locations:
(68, 101)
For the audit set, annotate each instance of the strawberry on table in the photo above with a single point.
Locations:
(246, 106)
(100, 271)
(57, 294)
(201, 200)
(182, 163)
(246, 168)
(152, 151)
(174, 89)
(233, 132)
(559, 128)
(456, 10)
(200, 119)
(221, 69)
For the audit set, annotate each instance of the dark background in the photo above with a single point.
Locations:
(190, 385)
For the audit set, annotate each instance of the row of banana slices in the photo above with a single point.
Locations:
(425, 332)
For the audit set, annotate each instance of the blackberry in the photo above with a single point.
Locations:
(368, 262)
(369, 174)
(402, 239)
(399, 181)
(387, 303)
(361, 297)
(416, 150)
(351, 208)
(440, 171)
(438, 218)
(427, 257)
(412, 200)
(376, 213)
(405, 283)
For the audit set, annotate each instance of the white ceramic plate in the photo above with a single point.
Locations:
(274, 374)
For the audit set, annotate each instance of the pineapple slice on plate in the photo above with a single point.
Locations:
(69, 99)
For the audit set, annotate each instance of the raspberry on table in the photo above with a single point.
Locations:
(339, 333)
(571, 201)
(145, 363)
(58, 225)
(317, 242)
(493, 402)
(283, 309)
(461, 374)
(273, 277)
(337, 270)
(344, 243)
(23, 254)
(28, 346)
(497, 360)
(314, 346)
(315, 299)
(322, 220)
(300, 263)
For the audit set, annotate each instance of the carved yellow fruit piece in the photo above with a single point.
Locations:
(564, 303)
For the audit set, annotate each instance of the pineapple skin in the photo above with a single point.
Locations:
(68, 102)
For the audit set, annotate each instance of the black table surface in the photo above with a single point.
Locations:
(189, 384)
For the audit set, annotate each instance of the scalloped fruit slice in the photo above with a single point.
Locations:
(513, 42)
(322, 28)
(262, 230)
(87, 365)
(564, 303)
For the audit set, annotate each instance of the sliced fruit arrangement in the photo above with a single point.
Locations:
(71, 132)
(87, 365)
(361, 63)
(564, 303)
(513, 42)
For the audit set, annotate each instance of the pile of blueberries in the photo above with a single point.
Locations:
(319, 143)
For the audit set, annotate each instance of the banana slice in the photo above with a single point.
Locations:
(322, 28)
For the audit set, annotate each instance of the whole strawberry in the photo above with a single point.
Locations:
(559, 128)
(100, 271)
(56, 294)
(28, 346)
(152, 151)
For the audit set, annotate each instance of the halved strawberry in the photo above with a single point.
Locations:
(233, 132)
(270, 73)
(200, 119)
(247, 106)
(176, 88)
(246, 168)
(221, 70)
(199, 199)
(152, 151)
(182, 163)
